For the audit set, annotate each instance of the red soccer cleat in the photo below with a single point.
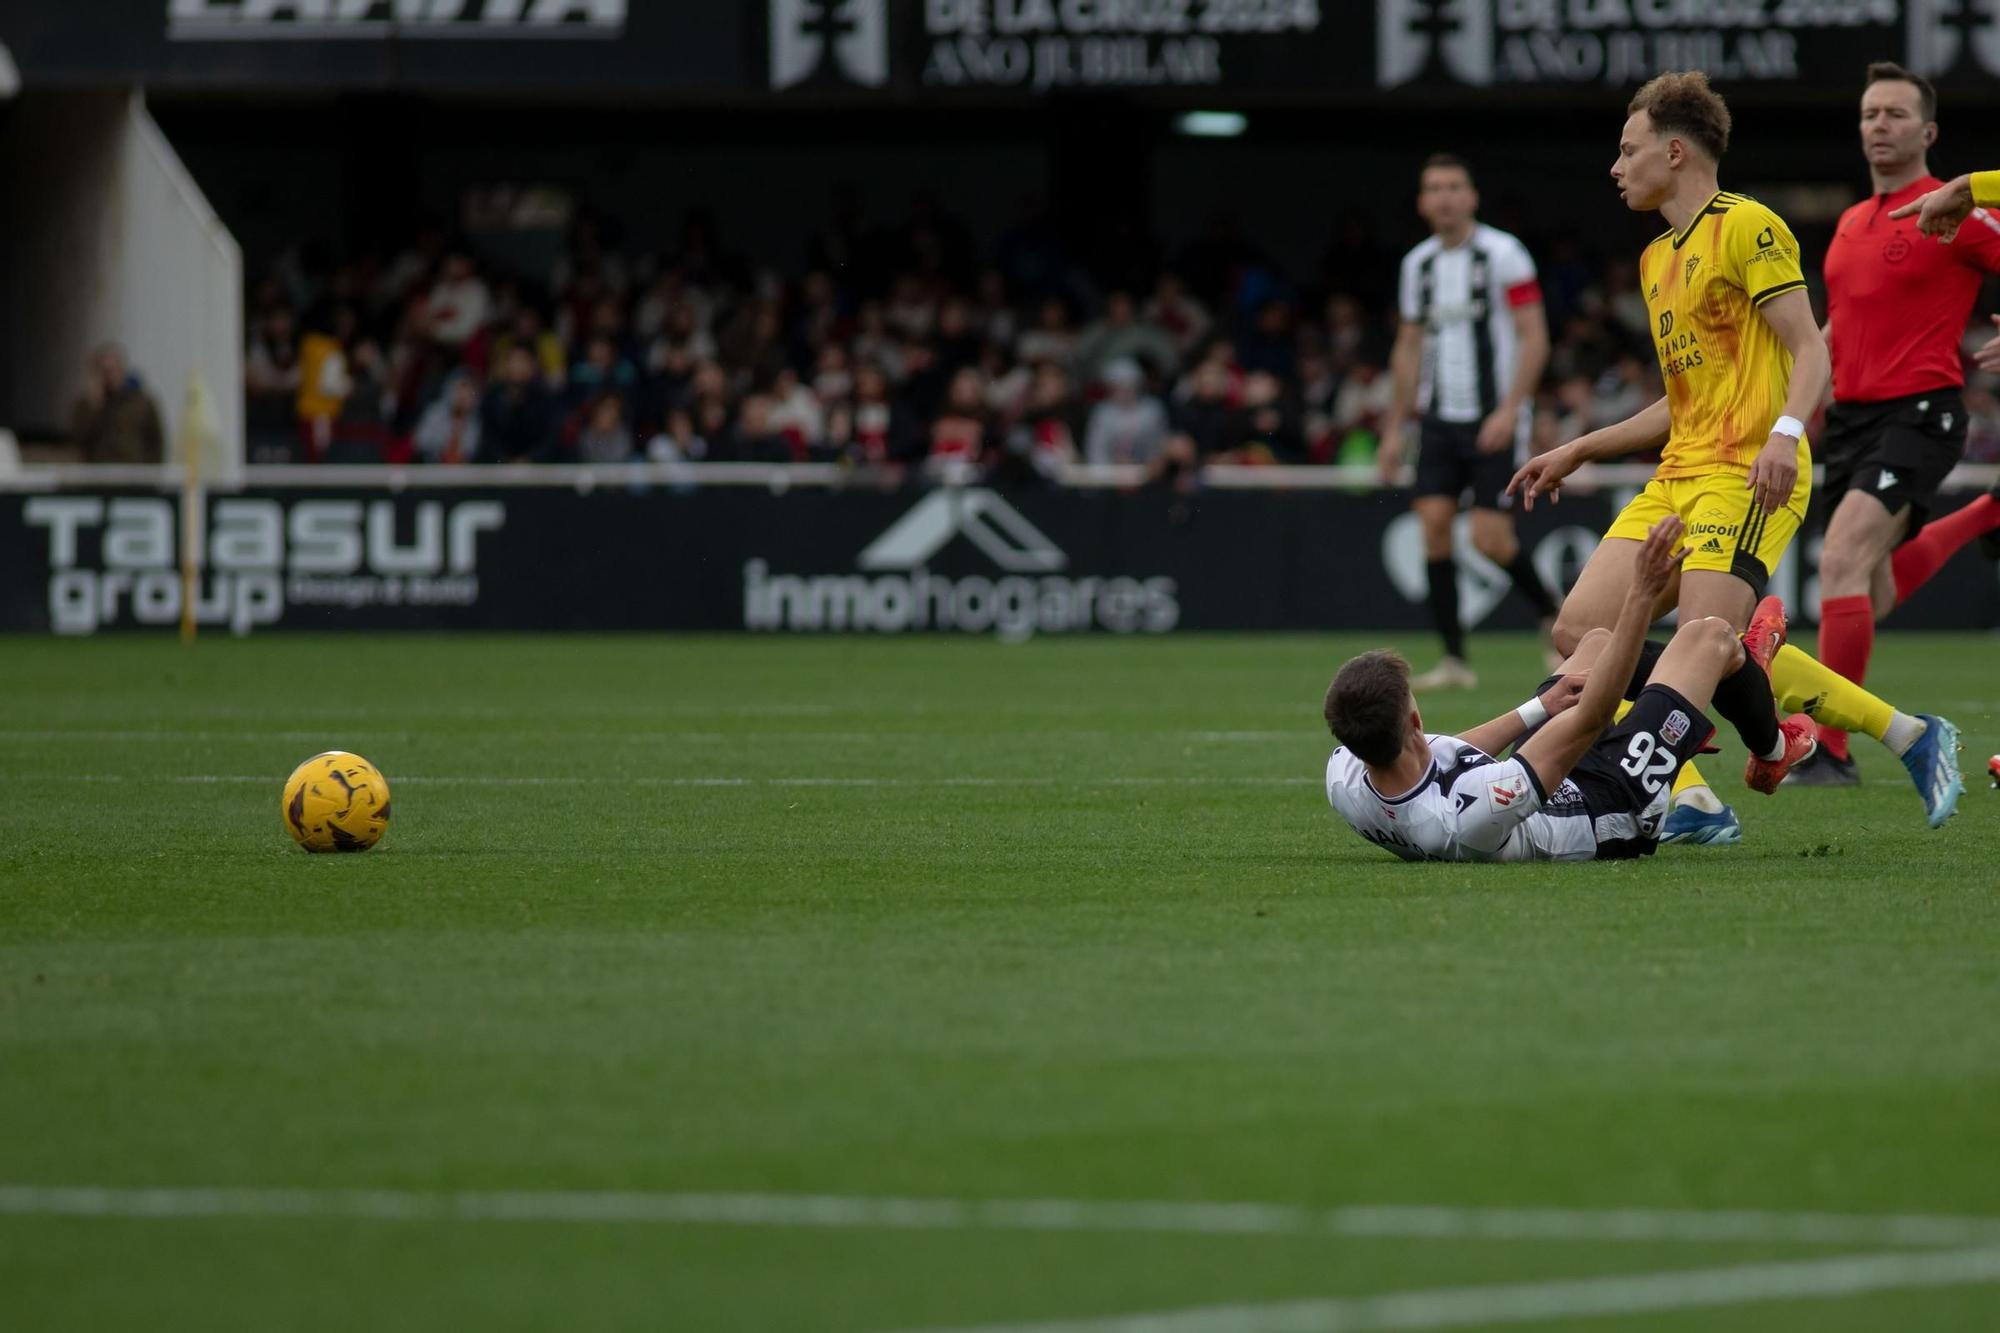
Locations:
(1801, 737)
(1766, 634)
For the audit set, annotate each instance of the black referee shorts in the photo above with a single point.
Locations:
(1898, 450)
(1449, 463)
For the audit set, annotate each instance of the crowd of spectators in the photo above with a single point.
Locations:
(899, 349)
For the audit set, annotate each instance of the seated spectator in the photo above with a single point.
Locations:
(796, 413)
(529, 329)
(754, 440)
(995, 320)
(1268, 424)
(1051, 341)
(1045, 436)
(1172, 309)
(1120, 335)
(883, 433)
(271, 388)
(448, 431)
(116, 420)
(1270, 346)
(833, 375)
(360, 429)
(1128, 425)
(517, 421)
(874, 343)
(601, 371)
(958, 435)
(1363, 400)
(1203, 422)
(677, 441)
(457, 305)
(605, 437)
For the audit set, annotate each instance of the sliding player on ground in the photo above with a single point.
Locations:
(1744, 365)
(1576, 787)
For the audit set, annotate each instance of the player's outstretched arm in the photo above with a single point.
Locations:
(1554, 750)
(1496, 734)
(1940, 212)
(1544, 473)
(1775, 470)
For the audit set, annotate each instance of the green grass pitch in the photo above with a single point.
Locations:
(735, 920)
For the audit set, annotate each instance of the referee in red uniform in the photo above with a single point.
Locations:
(1897, 305)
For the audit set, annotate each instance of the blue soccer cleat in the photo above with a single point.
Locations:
(1933, 766)
(1699, 828)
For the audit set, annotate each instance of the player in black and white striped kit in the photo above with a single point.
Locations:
(1576, 787)
(1470, 348)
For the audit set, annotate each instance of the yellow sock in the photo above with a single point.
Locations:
(1687, 777)
(1803, 684)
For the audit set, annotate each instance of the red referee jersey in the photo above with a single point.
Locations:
(1899, 300)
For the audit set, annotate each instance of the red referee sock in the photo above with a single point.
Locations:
(1846, 641)
(1924, 554)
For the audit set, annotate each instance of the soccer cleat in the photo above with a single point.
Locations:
(1699, 828)
(1824, 769)
(1993, 771)
(1933, 766)
(1801, 736)
(1766, 633)
(1451, 673)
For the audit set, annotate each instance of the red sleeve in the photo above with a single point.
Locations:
(1980, 235)
(1529, 292)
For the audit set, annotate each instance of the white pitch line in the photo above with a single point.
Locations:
(1567, 1298)
(845, 1212)
(647, 780)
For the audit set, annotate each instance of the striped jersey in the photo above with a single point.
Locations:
(1472, 807)
(1464, 296)
(1725, 369)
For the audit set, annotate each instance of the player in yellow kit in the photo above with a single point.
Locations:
(1744, 364)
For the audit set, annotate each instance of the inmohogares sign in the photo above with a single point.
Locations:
(1023, 590)
(115, 562)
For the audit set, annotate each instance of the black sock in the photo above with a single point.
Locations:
(1744, 699)
(1649, 657)
(1529, 584)
(1444, 606)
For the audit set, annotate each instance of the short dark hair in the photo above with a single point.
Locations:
(1368, 705)
(1886, 71)
(1452, 160)
(1682, 103)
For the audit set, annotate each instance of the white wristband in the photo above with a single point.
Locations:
(1791, 426)
(1532, 713)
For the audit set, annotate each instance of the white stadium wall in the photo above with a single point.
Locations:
(110, 239)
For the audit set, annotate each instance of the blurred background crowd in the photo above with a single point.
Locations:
(904, 347)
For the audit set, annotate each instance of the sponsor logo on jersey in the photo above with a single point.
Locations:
(1666, 322)
(1502, 795)
(1675, 727)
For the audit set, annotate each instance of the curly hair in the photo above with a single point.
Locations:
(1368, 705)
(1682, 103)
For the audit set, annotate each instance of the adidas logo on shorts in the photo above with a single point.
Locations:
(1711, 547)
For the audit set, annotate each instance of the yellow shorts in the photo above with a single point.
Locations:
(1726, 529)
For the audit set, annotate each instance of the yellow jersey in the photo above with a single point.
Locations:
(1725, 369)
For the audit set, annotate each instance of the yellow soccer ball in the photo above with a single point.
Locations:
(336, 802)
